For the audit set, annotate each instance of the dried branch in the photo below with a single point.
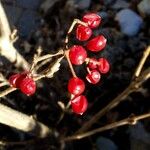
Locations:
(6, 43)
(128, 121)
(146, 53)
(3, 80)
(49, 72)
(134, 86)
(22, 122)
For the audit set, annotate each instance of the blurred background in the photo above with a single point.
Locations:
(125, 24)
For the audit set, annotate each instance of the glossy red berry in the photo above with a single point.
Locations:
(27, 86)
(77, 55)
(79, 104)
(93, 77)
(103, 65)
(97, 43)
(83, 33)
(92, 63)
(76, 86)
(92, 19)
(12, 80)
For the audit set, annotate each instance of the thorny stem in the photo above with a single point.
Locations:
(146, 53)
(128, 121)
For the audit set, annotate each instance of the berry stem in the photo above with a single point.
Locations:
(87, 60)
(75, 21)
(88, 70)
(37, 58)
(66, 53)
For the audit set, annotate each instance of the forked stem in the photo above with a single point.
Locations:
(75, 21)
(66, 53)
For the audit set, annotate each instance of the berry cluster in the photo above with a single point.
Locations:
(24, 82)
(78, 55)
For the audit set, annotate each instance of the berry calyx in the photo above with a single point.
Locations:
(92, 19)
(103, 65)
(76, 86)
(13, 78)
(83, 33)
(79, 104)
(93, 77)
(97, 43)
(27, 86)
(92, 64)
(77, 54)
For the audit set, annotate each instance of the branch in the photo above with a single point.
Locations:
(146, 53)
(22, 122)
(6, 43)
(48, 73)
(128, 121)
(134, 86)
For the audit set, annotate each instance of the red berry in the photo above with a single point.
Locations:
(27, 86)
(97, 43)
(12, 80)
(92, 63)
(83, 33)
(92, 19)
(76, 86)
(79, 104)
(93, 77)
(77, 55)
(103, 65)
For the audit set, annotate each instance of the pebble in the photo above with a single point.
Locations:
(120, 4)
(103, 143)
(144, 7)
(129, 21)
(82, 4)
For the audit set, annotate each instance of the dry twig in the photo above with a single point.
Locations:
(128, 121)
(49, 72)
(6, 43)
(22, 122)
(134, 86)
(146, 53)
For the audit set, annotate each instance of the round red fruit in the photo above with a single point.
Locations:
(79, 104)
(103, 65)
(92, 19)
(83, 33)
(77, 54)
(93, 77)
(97, 44)
(92, 63)
(12, 80)
(76, 86)
(28, 86)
